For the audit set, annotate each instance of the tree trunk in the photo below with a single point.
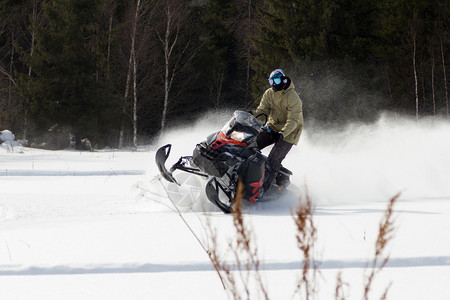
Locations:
(174, 63)
(108, 55)
(433, 91)
(216, 88)
(27, 100)
(135, 100)
(11, 83)
(389, 84)
(167, 53)
(416, 89)
(445, 74)
(25, 118)
(249, 20)
(130, 66)
(424, 95)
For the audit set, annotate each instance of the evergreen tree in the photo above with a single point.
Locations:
(290, 31)
(350, 29)
(224, 67)
(68, 88)
(13, 32)
(409, 44)
(325, 46)
(221, 61)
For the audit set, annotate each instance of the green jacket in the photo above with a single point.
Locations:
(284, 111)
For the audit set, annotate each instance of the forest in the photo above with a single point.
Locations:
(121, 72)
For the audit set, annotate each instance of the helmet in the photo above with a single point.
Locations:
(277, 79)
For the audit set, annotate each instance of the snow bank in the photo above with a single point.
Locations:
(7, 136)
(8, 143)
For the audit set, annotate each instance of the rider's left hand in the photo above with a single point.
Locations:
(276, 136)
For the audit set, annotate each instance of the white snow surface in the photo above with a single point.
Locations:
(99, 225)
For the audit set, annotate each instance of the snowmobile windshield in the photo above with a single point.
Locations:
(241, 126)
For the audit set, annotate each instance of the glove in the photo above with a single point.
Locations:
(276, 135)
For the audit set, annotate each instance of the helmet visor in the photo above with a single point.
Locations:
(275, 81)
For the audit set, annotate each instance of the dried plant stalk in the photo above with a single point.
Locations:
(237, 278)
(339, 292)
(306, 238)
(385, 235)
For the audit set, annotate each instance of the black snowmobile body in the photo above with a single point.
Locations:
(226, 158)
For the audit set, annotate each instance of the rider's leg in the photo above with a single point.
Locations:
(276, 156)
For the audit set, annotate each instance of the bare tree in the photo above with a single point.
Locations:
(445, 74)
(177, 53)
(412, 39)
(142, 18)
(13, 21)
(244, 28)
(135, 100)
(111, 6)
(441, 31)
(7, 107)
(17, 30)
(173, 17)
(215, 90)
(35, 16)
(129, 70)
(431, 50)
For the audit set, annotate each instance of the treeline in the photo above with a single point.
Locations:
(119, 72)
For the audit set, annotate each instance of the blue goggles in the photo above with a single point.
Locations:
(275, 81)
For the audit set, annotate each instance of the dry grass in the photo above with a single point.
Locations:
(306, 236)
(339, 293)
(385, 235)
(242, 278)
(245, 273)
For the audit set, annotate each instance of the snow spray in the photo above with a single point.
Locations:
(355, 163)
(374, 162)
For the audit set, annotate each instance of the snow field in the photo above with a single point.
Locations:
(97, 225)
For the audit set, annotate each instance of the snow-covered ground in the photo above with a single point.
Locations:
(98, 225)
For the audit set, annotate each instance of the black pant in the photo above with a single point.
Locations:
(276, 155)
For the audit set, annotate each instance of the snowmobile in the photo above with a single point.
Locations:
(227, 158)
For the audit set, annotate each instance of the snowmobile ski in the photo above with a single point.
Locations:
(212, 192)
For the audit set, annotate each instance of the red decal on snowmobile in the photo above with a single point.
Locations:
(223, 140)
(252, 199)
(257, 186)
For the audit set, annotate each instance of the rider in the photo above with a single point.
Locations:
(283, 107)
